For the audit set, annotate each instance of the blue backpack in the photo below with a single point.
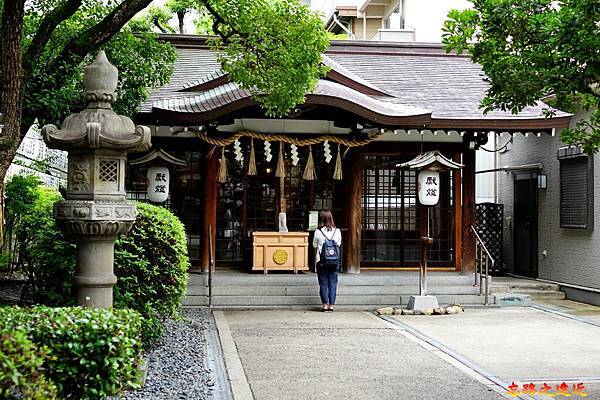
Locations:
(330, 253)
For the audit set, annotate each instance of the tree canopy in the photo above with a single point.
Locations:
(55, 84)
(532, 50)
(271, 47)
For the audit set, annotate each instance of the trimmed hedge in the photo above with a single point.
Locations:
(49, 259)
(151, 264)
(22, 368)
(151, 260)
(87, 353)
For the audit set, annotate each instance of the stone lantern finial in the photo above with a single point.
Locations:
(100, 79)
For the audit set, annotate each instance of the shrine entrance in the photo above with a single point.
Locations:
(251, 203)
(391, 224)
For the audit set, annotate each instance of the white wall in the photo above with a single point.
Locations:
(33, 150)
(427, 17)
(485, 184)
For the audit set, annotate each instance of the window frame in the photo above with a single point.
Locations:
(567, 154)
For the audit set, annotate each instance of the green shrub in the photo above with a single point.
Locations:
(151, 261)
(151, 264)
(21, 367)
(21, 194)
(48, 258)
(91, 353)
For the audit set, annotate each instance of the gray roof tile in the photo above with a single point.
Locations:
(451, 87)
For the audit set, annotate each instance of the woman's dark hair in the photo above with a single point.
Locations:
(326, 219)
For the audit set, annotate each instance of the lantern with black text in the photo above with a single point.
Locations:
(160, 164)
(158, 184)
(429, 187)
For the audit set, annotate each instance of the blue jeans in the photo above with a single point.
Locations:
(328, 280)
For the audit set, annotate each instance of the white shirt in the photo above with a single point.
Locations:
(319, 239)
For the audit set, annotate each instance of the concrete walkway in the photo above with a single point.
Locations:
(343, 355)
(525, 345)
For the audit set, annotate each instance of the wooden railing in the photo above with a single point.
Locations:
(483, 262)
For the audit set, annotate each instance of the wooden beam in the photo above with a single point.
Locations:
(457, 215)
(468, 211)
(353, 176)
(211, 189)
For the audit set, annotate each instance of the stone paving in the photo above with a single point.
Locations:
(524, 345)
(342, 355)
(573, 307)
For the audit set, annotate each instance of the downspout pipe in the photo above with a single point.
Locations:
(345, 29)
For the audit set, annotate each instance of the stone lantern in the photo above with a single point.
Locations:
(95, 210)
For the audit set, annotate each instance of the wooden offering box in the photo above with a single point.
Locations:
(280, 251)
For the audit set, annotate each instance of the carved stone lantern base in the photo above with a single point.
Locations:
(94, 227)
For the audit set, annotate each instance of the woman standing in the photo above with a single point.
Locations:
(327, 236)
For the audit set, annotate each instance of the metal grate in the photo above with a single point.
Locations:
(489, 220)
(108, 171)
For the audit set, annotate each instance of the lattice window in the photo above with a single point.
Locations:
(392, 218)
(185, 194)
(108, 171)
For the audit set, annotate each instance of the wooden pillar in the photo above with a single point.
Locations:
(468, 211)
(353, 177)
(457, 214)
(211, 189)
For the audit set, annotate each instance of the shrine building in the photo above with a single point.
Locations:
(232, 169)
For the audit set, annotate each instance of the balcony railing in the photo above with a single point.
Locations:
(395, 35)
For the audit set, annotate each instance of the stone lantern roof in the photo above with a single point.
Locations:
(98, 126)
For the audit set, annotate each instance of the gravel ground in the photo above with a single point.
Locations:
(177, 367)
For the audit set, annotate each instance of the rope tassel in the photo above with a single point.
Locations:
(309, 171)
(280, 171)
(252, 160)
(223, 167)
(337, 173)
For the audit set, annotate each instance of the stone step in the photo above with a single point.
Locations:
(309, 278)
(360, 301)
(303, 300)
(512, 299)
(314, 289)
(195, 301)
(533, 285)
(543, 294)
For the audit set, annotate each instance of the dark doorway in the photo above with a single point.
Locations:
(525, 227)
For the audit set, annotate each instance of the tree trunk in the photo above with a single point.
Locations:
(11, 82)
(180, 16)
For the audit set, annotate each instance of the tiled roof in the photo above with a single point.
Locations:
(452, 87)
(328, 91)
(210, 77)
(421, 76)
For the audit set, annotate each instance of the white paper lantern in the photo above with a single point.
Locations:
(429, 187)
(158, 184)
